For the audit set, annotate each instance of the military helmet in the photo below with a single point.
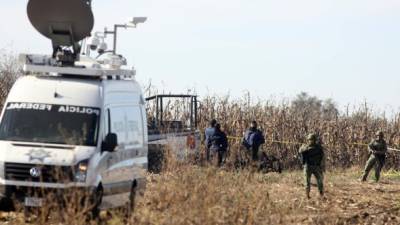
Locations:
(312, 137)
(379, 133)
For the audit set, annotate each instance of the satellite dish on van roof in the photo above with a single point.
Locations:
(65, 23)
(57, 19)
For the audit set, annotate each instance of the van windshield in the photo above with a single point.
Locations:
(53, 124)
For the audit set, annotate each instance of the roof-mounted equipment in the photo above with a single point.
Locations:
(65, 23)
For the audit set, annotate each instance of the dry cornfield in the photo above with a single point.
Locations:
(344, 135)
(341, 134)
(189, 194)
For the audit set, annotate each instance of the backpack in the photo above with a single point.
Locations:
(253, 139)
(208, 134)
(218, 141)
(259, 138)
(245, 141)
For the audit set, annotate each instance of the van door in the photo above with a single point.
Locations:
(136, 140)
(129, 161)
(117, 179)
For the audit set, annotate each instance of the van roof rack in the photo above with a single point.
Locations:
(46, 65)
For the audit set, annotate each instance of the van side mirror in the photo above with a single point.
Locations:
(110, 143)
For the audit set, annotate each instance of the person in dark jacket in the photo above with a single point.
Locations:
(207, 134)
(253, 139)
(218, 143)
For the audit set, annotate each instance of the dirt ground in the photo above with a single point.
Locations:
(195, 195)
(348, 201)
(248, 198)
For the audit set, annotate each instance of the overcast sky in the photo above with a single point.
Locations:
(348, 50)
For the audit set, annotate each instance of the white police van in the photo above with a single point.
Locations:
(73, 121)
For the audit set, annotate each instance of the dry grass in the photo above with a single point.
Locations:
(205, 195)
(194, 195)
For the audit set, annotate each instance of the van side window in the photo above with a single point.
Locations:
(118, 126)
(127, 123)
(135, 125)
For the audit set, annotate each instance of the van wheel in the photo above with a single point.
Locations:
(6, 205)
(130, 207)
(96, 201)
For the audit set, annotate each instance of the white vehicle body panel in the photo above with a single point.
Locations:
(122, 111)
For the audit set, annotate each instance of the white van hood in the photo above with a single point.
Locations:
(33, 153)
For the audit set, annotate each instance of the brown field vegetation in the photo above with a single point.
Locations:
(286, 123)
(192, 195)
(205, 195)
(189, 194)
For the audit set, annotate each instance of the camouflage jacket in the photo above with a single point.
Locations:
(378, 147)
(312, 155)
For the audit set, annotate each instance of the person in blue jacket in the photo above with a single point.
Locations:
(253, 139)
(207, 134)
(218, 143)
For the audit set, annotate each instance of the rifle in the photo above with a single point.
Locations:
(393, 150)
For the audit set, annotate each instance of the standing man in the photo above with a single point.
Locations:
(218, 143)
(313, 160)
(207, 134)
(377, 149)
(253, 139)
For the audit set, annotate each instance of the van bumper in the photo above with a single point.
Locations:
(15, 193)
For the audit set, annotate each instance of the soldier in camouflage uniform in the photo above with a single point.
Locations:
(377, 149)
(312, 155)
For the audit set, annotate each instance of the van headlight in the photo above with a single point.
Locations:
(81, 171)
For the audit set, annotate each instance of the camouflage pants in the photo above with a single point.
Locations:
(319, 175)
(378, 162)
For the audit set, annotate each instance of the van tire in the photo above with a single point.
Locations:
(6, 205)
(96, 201)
